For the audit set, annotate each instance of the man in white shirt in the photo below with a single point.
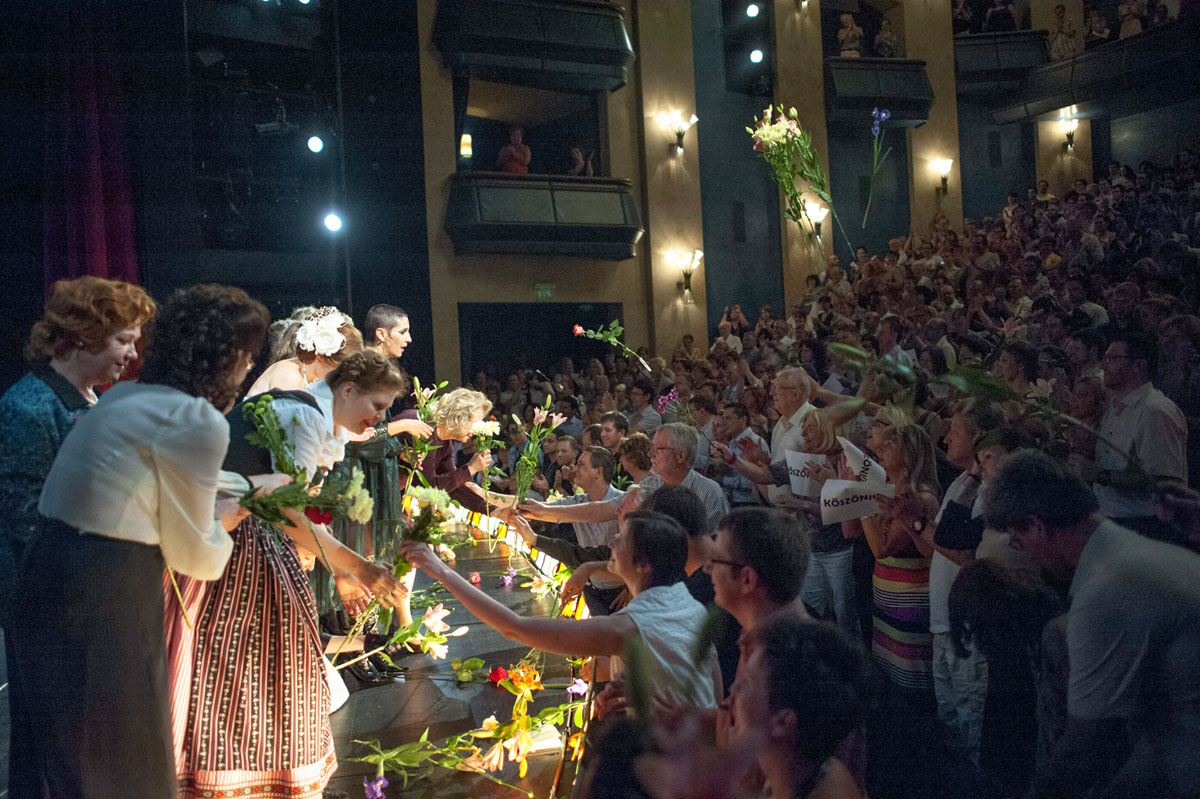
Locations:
(642, 413)
(1133, 631)
(791, 391)
(1143, 435)
(671, 453)
(725, 336)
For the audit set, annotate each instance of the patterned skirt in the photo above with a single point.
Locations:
(249, 697)
(902, 644)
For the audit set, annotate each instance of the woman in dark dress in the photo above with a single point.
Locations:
(88, 336)
(132, 491)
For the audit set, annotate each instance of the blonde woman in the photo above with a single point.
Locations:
(323, 340)
(902, 644)
(455, 414)
(829, 582)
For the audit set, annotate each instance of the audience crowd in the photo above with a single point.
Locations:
(1029, 590)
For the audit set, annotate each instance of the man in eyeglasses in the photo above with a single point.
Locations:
(1143, 436)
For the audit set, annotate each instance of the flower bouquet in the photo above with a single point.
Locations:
(544, 423)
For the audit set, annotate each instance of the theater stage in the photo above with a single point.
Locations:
(428, 696)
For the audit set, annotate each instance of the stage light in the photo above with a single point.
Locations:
(333, 222)
(305, 2)
(756, 56)
(752, 10)
(316, 144)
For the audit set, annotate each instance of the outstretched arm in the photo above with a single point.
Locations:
(597, 636)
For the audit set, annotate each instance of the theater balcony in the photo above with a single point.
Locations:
(991, 63)
(854, 86)
(1155, 68)
(564, 45)
(501, 214)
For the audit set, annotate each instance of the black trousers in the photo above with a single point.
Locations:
(94, 689)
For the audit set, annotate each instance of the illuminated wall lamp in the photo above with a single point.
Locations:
(687, 263)
(464, 146)
(942, 167)
(816, 213)
(1068, 127)
(675, 123)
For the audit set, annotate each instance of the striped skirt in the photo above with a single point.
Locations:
(249, 697)
(902, 644)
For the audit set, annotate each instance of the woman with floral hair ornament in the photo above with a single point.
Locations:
(323, 339)
(249, 693)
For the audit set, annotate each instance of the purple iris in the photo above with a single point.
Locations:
(373, 788)
(577, 687)
(508, 578)
(878, 116)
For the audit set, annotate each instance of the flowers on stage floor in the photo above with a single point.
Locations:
(497, 674)
(507, 579)
(474, 579)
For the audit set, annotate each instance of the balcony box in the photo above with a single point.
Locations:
(562, 45)
(854, 86)
(987, 63)
(502, 214)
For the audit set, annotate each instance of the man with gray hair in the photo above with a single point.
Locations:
(671, 453)
(791, 391)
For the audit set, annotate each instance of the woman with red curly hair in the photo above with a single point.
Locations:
(87, 336)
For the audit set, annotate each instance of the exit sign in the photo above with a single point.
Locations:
(543, 291)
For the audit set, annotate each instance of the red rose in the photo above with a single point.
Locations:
(474, 578)
(497, 675)
(318, 516)
(578, 330)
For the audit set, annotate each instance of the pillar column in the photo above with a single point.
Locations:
(929, 37)
(800, 82)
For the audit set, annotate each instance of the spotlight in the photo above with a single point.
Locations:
(333, 222)
(305, 2)
(316, 144)
(756, 56)
(752, 10)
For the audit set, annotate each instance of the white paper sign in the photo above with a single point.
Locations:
(802, 483)
(842, 500)
(865, 468)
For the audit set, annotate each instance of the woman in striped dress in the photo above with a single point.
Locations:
(901, 643)
(249, 693)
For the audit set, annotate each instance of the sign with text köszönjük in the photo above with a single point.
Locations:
(802, 483)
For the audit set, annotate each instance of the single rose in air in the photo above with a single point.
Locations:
(578, 330)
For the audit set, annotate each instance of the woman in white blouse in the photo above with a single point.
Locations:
(250, 697)
(134, 488)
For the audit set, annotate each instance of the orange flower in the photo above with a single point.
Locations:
(525, 677)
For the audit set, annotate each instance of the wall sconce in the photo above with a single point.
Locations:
(1068, 127)
(687, 263)
(801, 5)
(464, 146)
(942, 166)
(816, 213)
(675, 123)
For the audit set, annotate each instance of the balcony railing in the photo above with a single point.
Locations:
(987, 63)
(565, 45)
(498, 213)
(856, 85)
(1155, 68)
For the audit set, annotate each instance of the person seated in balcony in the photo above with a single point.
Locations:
(1000, 18)
(1131, 13)
(515, 156)
(580, 167)
(1097, 31)
(1063, 39)
(886, 43)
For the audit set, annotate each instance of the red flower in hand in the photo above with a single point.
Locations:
(578, 330)
(497, 675)
(318, 516)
